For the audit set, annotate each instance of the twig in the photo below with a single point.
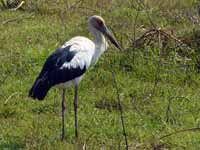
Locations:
(120, 108)
(180, 131)
(6, 101)
(10, 20)
(176, 39)
(158, 31)
(16, 19)
(18, 6)
(143, 37)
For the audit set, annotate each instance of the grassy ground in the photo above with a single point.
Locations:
(160, 93)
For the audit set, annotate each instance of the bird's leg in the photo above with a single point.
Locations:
(63, 105)
(75, 110)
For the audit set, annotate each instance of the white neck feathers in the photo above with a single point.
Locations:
(100, 43)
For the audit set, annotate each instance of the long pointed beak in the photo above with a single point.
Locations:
(109, 35)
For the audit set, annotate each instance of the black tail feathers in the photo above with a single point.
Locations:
(40, 89)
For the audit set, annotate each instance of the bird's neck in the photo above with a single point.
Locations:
(100, 41)
(100, 44)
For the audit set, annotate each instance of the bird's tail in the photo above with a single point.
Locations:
(39, 89)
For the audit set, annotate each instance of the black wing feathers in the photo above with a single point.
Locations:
(51, 74)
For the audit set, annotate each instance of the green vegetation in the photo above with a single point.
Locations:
(158, 85)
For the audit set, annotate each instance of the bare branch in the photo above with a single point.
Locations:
(16, 19)
(156, 32)
(180, 131)
(120, 108)
(18, 6)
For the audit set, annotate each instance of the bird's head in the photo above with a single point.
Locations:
(98, 23)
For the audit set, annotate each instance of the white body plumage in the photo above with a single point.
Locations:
(87, 54)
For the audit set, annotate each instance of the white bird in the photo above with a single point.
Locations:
(67, 65)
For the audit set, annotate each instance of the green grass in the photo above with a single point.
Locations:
(147, 81)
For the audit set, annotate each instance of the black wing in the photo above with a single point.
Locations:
(52, 74)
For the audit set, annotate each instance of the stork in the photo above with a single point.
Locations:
(68, 64)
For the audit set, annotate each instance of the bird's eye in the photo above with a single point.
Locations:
(100, 23)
